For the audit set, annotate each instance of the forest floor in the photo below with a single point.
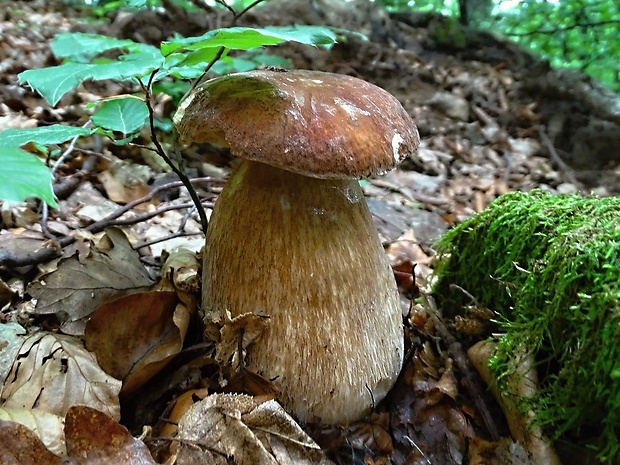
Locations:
(492, 119)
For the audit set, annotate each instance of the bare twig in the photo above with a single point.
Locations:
(246, 9)
(160, 151)
(148, 94)
(163, 239)
(221, 50)
(555, 30)
(105, 223)
(45, 213)
(49, 250)
(460, 359)
(553, 153)
(53, 248)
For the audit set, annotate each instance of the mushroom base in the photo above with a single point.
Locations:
(304, 252)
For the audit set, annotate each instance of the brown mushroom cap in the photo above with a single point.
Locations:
(313, 123)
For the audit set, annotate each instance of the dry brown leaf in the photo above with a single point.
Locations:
(18, 215)
(521, 382)
(122, 186)
(167, 224)
(248, 326)
(12, 336)
(20, 446)
(181, 273)
(182, 269)
(89, 204)
(92, 438)
(426, 424)
(135, 336)
(46, 426)
(76, 289)
(99, 440)
(21, 243)
(372, 434)
(6, 294)
(53, 372)
(238, 427)
(181, 405)
(404, 254)
(502, 452)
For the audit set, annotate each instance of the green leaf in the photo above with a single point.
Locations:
(23, 175)
(196, 57)
(137, 4)
(84, 47)
(245, 38)
(126, 114)
(55, 134)
(54, 82)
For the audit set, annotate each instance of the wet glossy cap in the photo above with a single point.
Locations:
(318, 124)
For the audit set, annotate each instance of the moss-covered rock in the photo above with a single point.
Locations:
(549, 267)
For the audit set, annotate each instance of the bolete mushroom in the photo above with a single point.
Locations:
(291, 236)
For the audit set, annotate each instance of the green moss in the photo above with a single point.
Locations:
(549, 266)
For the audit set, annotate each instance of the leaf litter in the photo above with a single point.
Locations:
(481, 125)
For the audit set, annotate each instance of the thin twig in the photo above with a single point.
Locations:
(555, 30)
(460, 359)
(227, 6)
(221, 50)
(186, 218)
(101, 225)
(53, 248)
(45, 213)
(105, 222)
(160, 151)
(553, 153)
(246, 9)
(164, 239)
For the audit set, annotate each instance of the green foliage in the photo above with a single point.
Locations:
(47, 135)
(446, 7)
(23, 175)
(579, 34)
(125, 114)
(549, 266)
(87, 57)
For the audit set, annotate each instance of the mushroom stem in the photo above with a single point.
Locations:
(304, 252)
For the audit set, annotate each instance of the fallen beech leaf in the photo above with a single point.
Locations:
(182, 268)
(135, 336)
(372, 434)
(76, 289)
(503, 452)
(99, 439)
(6, 294)
(18, 215)
(12, 336)
(46, 426)
(20, 446)
(53, 372)
(237, 427)
(522, 382)
(123, 186)
(427, 425)
(248, 326)
(23, 243)
(181, 273)
(181, 405)
(403, 254)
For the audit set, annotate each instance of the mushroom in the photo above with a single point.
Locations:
(291, 236)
